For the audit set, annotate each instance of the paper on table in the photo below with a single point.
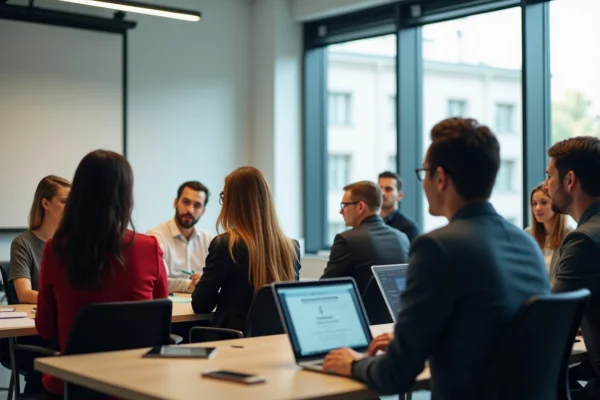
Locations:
(13, 314)
(178, 299)
(17, 323)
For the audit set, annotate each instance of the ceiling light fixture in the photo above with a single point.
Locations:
(141, 8)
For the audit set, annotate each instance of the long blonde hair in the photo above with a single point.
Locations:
(46, 189)
(538, 231)
(248, 215)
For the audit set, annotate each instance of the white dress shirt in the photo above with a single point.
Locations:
(181, 254)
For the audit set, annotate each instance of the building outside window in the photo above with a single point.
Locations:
(339, 108)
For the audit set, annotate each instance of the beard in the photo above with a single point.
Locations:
(388, 204)
(186, 220)
(561, 201)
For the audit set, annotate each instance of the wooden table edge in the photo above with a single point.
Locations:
(42, 365)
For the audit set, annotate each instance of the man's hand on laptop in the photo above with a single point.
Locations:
(381, 342)
(340, 361)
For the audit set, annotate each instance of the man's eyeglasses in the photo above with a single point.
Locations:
(422, 172)
(346, 204)
(221, 196)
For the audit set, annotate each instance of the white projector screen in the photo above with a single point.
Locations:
(61, 96)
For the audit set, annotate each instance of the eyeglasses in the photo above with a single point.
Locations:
(221, 196)
(422, 172)
(346, 204)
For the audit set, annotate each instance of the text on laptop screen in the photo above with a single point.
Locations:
(393, 282)
(323, 318)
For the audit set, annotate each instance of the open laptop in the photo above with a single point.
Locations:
(391, 280)
(320, 316)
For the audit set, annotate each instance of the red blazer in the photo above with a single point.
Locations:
(143, 278)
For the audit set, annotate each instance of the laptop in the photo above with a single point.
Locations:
(320, 316)
(391, 280)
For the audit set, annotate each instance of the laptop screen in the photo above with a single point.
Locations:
(392, 282)
(323, 316)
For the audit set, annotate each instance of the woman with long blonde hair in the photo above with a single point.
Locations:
(251, 252)
(26, 249)
(548, 228)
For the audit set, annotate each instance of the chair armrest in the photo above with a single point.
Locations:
(223, 333)
(175, 339)
(45, 351)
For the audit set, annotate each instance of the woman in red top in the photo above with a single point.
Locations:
(93, 257)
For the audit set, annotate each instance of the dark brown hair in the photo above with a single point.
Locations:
(469, 153)
(366, 191)
(196, 187)
(89, 239)
(392, 175)
(581, 155)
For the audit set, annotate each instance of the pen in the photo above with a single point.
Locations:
(188, 272)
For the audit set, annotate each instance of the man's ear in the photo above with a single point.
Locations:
(175, 203)
(441, 178)
(400, 195)
(570, 181)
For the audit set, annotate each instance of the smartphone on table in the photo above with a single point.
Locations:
(234, 376)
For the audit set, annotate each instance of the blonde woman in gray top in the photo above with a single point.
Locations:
(548, 227)
(26, 249)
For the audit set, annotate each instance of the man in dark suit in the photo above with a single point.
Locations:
(573, 182)
(391, 189)
(465, 281)
(369, 242)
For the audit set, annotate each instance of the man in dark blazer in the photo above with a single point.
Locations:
(573, 182)
(391, 189)
(369, 242)
(465, 281)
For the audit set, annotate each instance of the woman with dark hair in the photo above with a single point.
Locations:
(93, 257)
(251, 252)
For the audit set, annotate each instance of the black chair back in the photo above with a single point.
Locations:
(118, 326)
(263, 318)
(375, 306)
(9, 287)
(532, 360)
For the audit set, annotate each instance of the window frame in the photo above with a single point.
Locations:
(405, 19)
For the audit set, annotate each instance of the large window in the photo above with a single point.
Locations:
(378, 79)
(472, 68)
(575, 68)
(361, 82)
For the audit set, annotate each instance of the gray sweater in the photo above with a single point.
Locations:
(26, 257)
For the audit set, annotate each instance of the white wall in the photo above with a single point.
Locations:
(189, 104)
(276, 106)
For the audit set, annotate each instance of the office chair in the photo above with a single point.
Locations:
(532, 359)
(262, 320)
(116, 326)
